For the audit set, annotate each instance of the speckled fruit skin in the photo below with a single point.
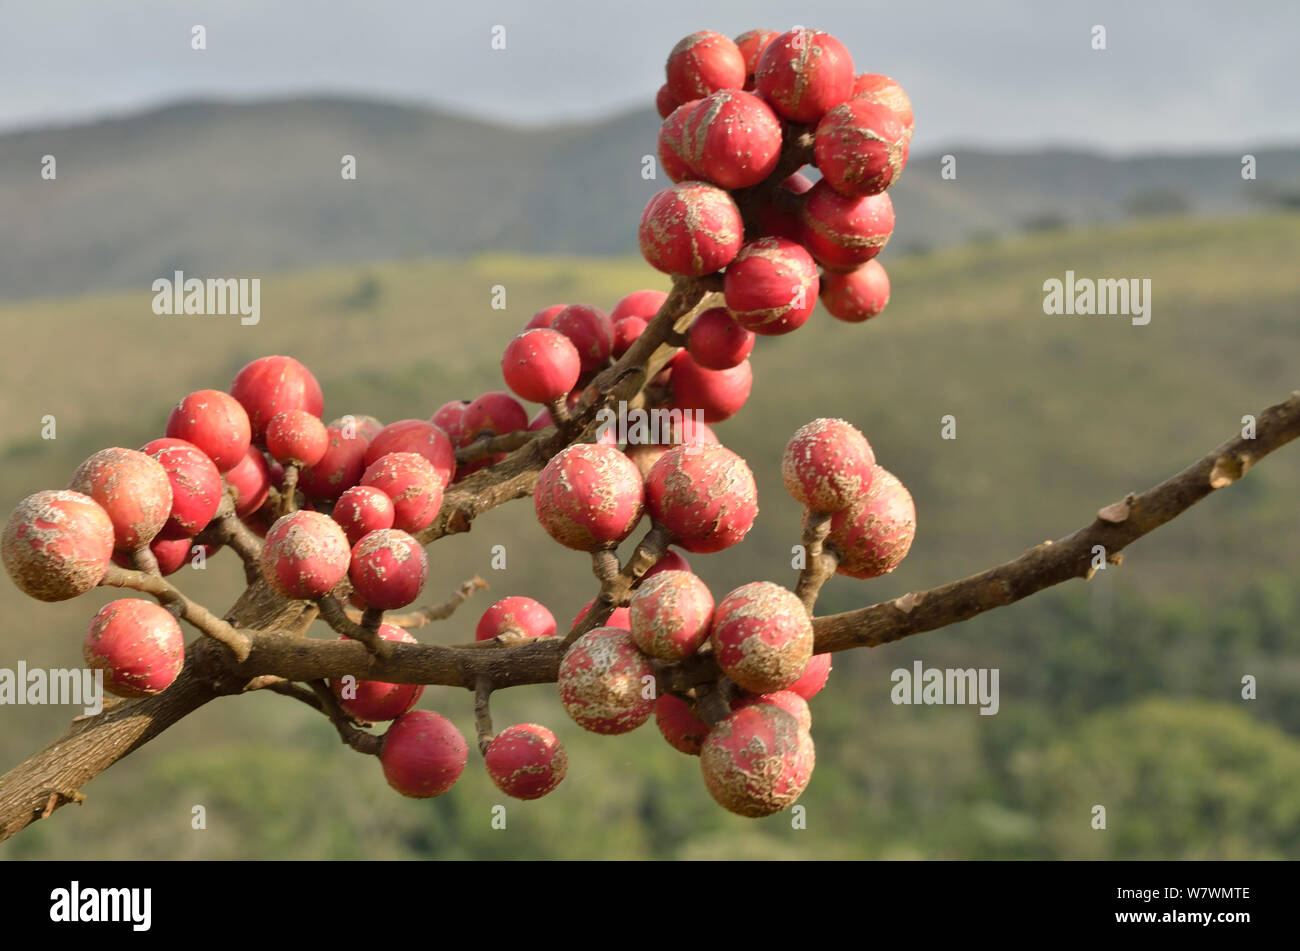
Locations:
(751, 44)
(216, 423)
(643, 304)
(670, 615)
(716, 342)
(423, 754)
(305, 556)
(494, 413)
(602, 683)
(757, 761)
(877, 88)
(544, 317)
(702, 63)
(731, 138)
(625, 333)
(873, 537)
(359, 426)
(541, 365)
(526, 761)
(691, 229)
(57, 544)
(704, 494)
(251, 480)
(762, 637)
(814, 677)
(137, 644)
(671, 561)
(679, 725)
(270, 385)
(415, 435)
(828, 465)
(172, 554)
(196, 486)
(589, 496)
(787, 700)
(664, 102)
(844, 233)
(412, 483)
(771, 287)
(619, 617)
(525, 616)
(858, 295)
(361, 510)
(803, 74)
(447, 417)
(132, 489)
(591, 332)
(374, 700)
(296, 437)
(388, 569)
(339, 469)
(861, 147)
(672, 145)
(719, 394)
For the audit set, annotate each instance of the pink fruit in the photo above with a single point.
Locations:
(643, 304)
(361, 510)
(664, 102)
(828, 465)
(771, 287)
(718, 394)
(541, 365)
(716, 342)
(751, 44)
(757, 761)
(196, 486)
(57, 544)
(670, 614)
(625, 333)
(589, 497)
(803, 74)
(447, 417)
(271, 385)
(843, 232)
(861, 147)
(679, 725)
(172, 554)
(730, 138)
(423, 754)
(671, 561)
(788, 700)
(414, 486)
(494, 414)
(702, 63)
(353, 426)
(603, 682)
(690, 229)
(619, 617)
(340, 468)
(590, 331)
(132, 489)
(672, 142)
(814, 677)
(858, 295)
(418, 436)
(216, 423)
(388, 569)
(251, 480)
(877, 88)
(523, 616)
(543, 317)
(374, 700)
(305, 556)
(704, 494)
(873, 536)
(762, 637)
(526, 761)
(138, 645)
(296, 437)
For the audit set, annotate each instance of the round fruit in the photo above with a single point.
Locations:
(592, 334)
(543, 318)
(828, 465)
(664, 102)
(679, 725)
(716, 342)
(271, 385)
(643, 304)
(361, 510)
(804, 73)
(670, 614)
(757, 761)
(340, 468)
(415, 435)
(844, 233)
(702, 63)
(730, 138)
(172, 554)
(603, 680)
(57, 544)
(814, 677)
(526, 761)
(251, 480)
(717, 394)
(132, 489)
(541, 365)
(771, 287)
(873, 536)
(877, 88)
(138, 645)
(625, 333)
(413, 485)
(492, 414)
(861, 147)
(196, 486)
(589, 497)
(762, 637)
(751, 44)
(374, 700)
(704, 494)
(423, 754)
(305, 556)
(388, 569)
(296, 437)
(788, 700)
(690, 229)
(619, 617)
(858, 295)
(216, 423)
(524, 616)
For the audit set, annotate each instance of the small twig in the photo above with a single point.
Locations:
(167, 594)
(819, 562)
(289, 491)
(332, 613)
(359, 740)
(493, 445)
(226, 529)
(616, 586)
(482, 713)
(433, 612)
(146, 561)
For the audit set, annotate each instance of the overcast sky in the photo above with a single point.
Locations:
(1176, 74)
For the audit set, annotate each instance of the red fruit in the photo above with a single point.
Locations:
(702, 63)
(771, 287)
(388, 569)
(196, 486)
(357, 427)
(137, 644)
(730, 138)
(339, 468)
(704, 494)
(877, 88)
(757, 761)
(591, 332)
(804, 73)
(413, 484)
(418, 436)
(589, 497)
(305, 556)
(861, 147)
(814, 677)
(272, 385)
(873, 536)
(374, 700)
(625, 333)
(828, 465)
(447, 417)
(132, 489)
(216, 423)
(522, 616)
(751, 44)
(844, 233)
(297, 438)
(643, 304)
(679, 725)
(673, 144)
(762, 637)
(788, 700)
(716, 342)
(606, 684)
(671, 561)
(57, 544)
(670, 614)
(858, 295)
(423, 754)
(664, 102)
(541, 419)
(495, 413)
(526, 761)
(251, 480)
(543, 318)
(691, 229)
(781, 215)
(619, 617)
(718, 394)
(361, 510)
(171, 554)
(541, 365)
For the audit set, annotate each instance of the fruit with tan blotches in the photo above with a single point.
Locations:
(415, 435)
(589, 497)
(216, 423)
(665, 103)
(717, 394)
(361, 510)
(297, 438)
(272, 385)
(137, 644)
(132, 489)
(691, 229)
(606, 683)
(493, 414)
(877, 88)
(374, 700)
(423, 754)
(413, 485)
(828, 465)
(788, 700)
(771, 286)
(762, 637)
(716, 342)
(340, 467)
(857, 295)
(731, 138)
(703, 63)
(670, 615)
(57, 544)
(751, 44)
(388, 569)
(872, 537)
(758, 761)
(251, 480)
(704, 495)
(517, 616)
(590, 331)
(679, 725)
(861, 147)
(195, 482)
(672, 142)
(671, 561)
(447, 417)
(306, 554)
(526, 761)
(844, 232)
(803, 74)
